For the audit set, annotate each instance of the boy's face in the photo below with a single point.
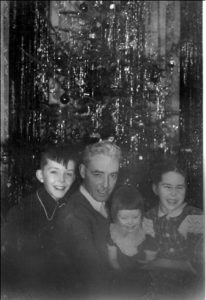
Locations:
(171, 191)
(129, 219)
(100, 176)
(57, 178)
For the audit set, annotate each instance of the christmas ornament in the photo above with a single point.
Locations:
(112, 6)
(83, 7)
(65, 98)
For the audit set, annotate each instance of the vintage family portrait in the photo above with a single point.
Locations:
(102, 150)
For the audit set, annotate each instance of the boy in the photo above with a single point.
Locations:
(28, 244)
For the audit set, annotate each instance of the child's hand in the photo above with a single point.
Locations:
(147, 225)
(150, 255)
(3, 249)
(192, 224)
(115, 265)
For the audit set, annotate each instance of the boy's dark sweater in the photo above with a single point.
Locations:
(30, 248)
(33, 220)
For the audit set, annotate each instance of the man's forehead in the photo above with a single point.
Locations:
(101, 158)
(103, 163)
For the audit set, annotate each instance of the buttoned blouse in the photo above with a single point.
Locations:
(177, 234)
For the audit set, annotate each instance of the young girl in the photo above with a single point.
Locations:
(178, 228)
(177, 225)
(129, 243)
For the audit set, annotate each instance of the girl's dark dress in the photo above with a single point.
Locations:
(131, 254)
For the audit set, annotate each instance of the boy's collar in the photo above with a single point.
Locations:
(48, 204)
(172, 214)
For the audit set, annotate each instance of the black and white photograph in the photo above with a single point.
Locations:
(102, 150)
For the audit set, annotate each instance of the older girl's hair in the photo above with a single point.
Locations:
(165, 166)
(103, 147)
(126, 197)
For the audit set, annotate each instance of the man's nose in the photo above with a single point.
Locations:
(106, 181)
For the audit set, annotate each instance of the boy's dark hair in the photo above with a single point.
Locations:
(59, 153)
(165, 166)
(126, 197)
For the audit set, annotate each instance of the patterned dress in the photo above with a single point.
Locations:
(180, 239)
(132, 278)
(177, 233)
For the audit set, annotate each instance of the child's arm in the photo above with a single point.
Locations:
(150, 249)
(112, 252)
(148, 227)
(150, 255)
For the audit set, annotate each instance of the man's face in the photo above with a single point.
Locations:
(57, 178)
(100, 176)
(171, 191)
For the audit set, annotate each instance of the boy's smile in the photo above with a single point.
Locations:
(57, 178)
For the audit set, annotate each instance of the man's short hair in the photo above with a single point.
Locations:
(102, 147)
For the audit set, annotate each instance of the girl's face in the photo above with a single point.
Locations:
(129, 219)
(171, 191)
(57, 178)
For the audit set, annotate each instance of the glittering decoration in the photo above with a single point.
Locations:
(83, 7)
(64, 99)
(94, 69)
(191, 117)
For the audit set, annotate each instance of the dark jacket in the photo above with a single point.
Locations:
(29, 247)
(82, 233)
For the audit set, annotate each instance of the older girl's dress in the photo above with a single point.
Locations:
(178, 232)
(177, 271)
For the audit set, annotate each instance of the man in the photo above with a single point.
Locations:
(84, 223)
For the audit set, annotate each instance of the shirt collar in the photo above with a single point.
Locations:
(95, 204)
(48, 203)
(173, 214)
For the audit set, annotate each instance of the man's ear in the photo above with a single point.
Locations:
(39, 175)
(82, 170)
(154, 188)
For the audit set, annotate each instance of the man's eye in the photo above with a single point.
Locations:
(97, 174)
(114, 176)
